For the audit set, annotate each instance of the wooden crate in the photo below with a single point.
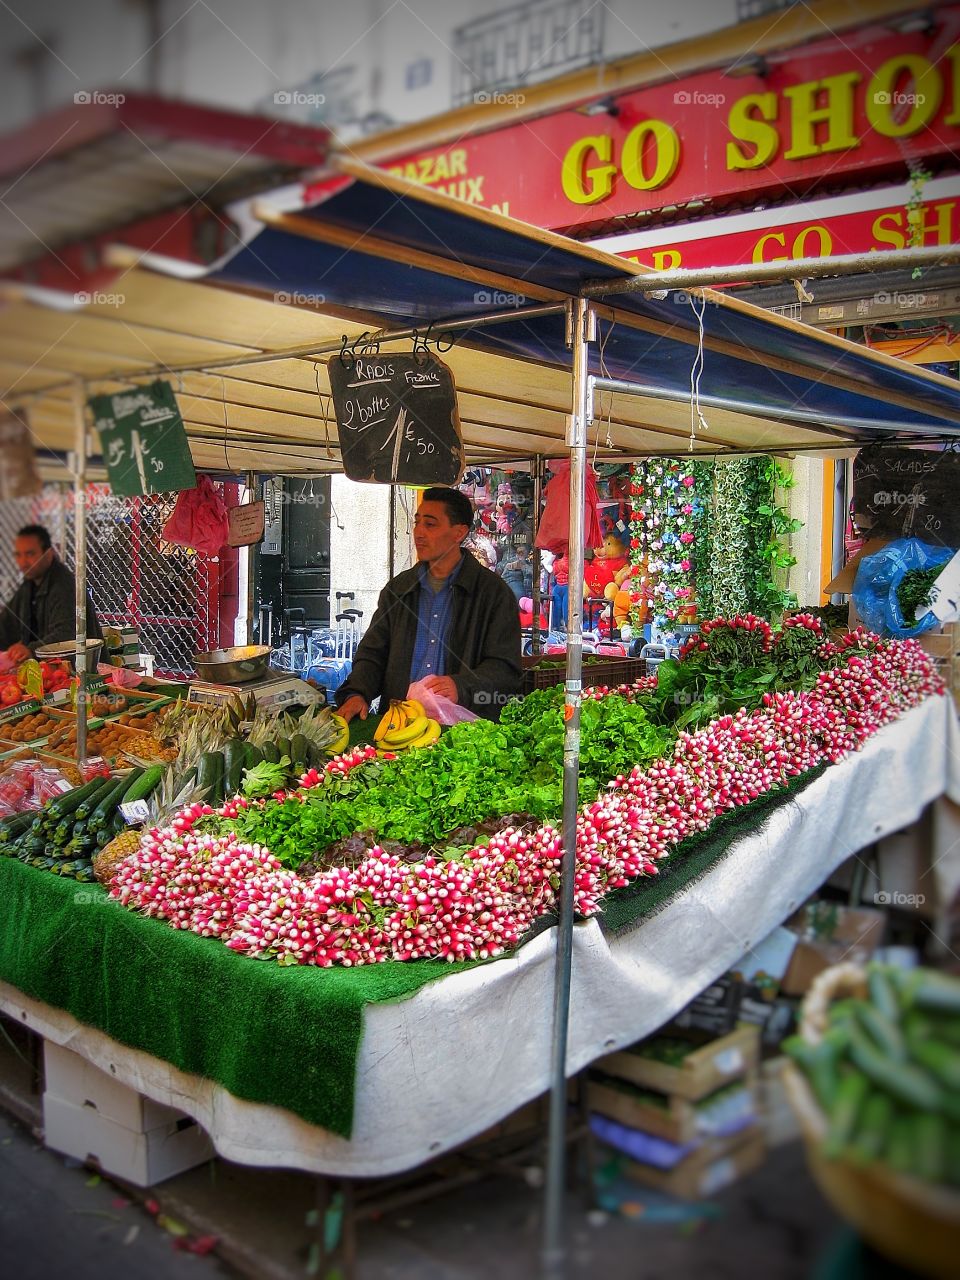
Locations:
(714, 1165)
(944, 647)
(675, 1121)
(706, 1068)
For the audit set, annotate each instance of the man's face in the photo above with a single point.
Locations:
(27, 551)
(433, 534)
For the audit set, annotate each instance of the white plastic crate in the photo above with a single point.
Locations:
(143, 1158)
(73, 1079)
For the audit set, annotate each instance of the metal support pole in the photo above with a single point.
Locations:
(80, 536)
(535, 525)
(249, 556)
(847, 264)
(805, 417)
(580, 317)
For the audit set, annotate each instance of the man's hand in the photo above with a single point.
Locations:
(442, 686)
(18, 653)
(354, 706)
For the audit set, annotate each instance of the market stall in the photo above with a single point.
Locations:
(380, 252)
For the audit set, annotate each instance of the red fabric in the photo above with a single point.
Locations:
(199, 519)
(554, 531)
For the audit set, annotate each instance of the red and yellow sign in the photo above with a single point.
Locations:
(796, 232)
(820, 117)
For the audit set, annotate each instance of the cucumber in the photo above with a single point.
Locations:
(885, 1034)
(873, 1128)
(234, 760)
(845, 1113)
(210, 777)
(283, 747)
(253, 755)
(271, 752)
(882, 994)
(899, 1149)
(298, 753)
(105, 809)
(941, 1061)
(937, 993)
(908, 1083)
(952, 1156)
(144, 785)
(70, 801)
(929, 1155)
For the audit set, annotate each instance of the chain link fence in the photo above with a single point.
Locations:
(170, 594)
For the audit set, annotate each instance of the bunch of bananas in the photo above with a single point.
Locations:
(405, 725)
(342, 740)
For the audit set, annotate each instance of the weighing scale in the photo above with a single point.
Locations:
(274, 690)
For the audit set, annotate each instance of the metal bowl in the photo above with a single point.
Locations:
(66, 650)
(233, 666)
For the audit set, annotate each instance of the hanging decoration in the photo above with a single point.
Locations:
(709, 537)
(666, 507)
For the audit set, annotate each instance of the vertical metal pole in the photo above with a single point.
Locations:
(554, 1251)
(248, 555)
(80, 536)
(840, 509)
(535, 525)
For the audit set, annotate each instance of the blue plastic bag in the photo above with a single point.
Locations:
(879, 576)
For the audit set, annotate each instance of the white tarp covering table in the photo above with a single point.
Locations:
(465, 1051)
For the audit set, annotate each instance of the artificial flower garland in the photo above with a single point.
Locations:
(665, 507)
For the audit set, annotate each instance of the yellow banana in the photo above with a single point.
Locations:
(341, 742)
(400, 737)
(428, 737)
(412, 709)
(393, 719)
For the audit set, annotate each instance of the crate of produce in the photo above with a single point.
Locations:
(27, 722)
(541, 672)
(716, 1164)
(110, 740)
(667, 1115)
(686, 1063)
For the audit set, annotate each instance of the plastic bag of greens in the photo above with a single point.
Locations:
(879, 577)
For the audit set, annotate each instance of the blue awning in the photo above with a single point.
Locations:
(391, 254)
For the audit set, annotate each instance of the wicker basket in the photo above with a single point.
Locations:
(912, 1222)
(596, 671)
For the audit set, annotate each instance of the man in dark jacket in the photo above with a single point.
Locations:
(43, 608)
(447, 621)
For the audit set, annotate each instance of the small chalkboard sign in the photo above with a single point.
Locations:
(143, 441)
(397, 419)
(900, 492)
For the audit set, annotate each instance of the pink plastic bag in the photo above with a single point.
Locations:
(199, 519)
(439, 708)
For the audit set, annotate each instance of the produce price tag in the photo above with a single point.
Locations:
(64, 785)
(728, 1061)
(134, 812)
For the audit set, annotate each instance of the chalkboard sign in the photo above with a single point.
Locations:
(397, 419)
(143, 442)
(908, 493)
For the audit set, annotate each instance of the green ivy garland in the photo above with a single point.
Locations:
(711, 536)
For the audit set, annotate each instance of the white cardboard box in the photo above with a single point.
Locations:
(142, 1158)
(71, 1078)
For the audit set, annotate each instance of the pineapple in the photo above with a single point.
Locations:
(161, 806)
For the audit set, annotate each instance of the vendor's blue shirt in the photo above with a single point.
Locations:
(433, 623)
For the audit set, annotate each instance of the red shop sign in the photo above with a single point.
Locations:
(823, 115)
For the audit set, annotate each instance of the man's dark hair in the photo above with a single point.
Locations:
(458, 505)
(36, 531)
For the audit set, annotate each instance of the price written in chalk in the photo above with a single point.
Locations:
(397, 419)
(143, 441)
